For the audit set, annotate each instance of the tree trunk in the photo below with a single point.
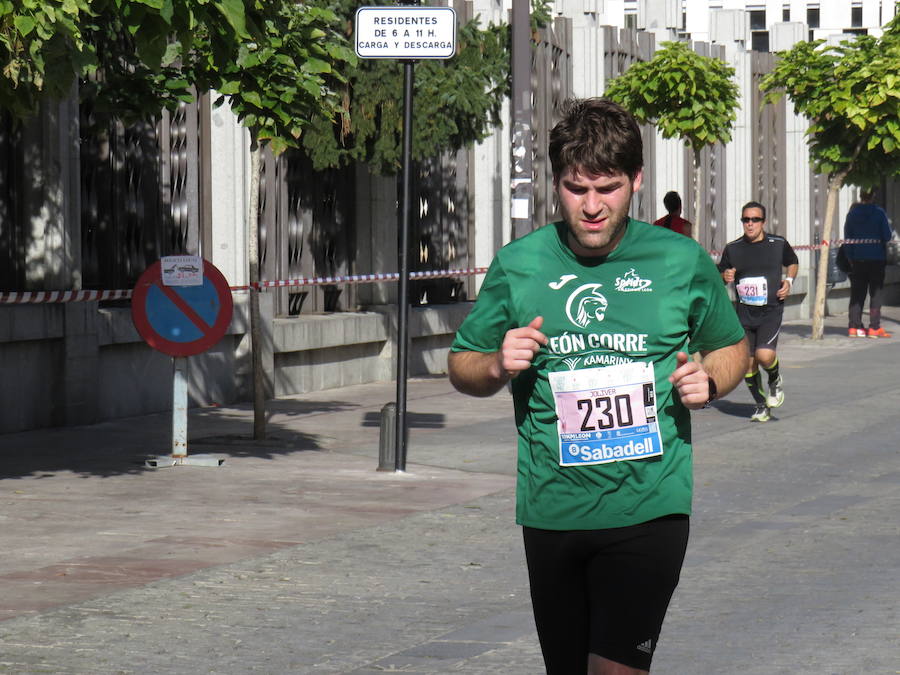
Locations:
(818, 321)
(259, 395)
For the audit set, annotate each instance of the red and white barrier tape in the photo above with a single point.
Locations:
(26, 297)
(369, 278)
(38, 297)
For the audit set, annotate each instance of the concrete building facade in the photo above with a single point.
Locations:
(75, 363)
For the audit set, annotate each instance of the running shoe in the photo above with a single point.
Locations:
(881, 332)
(761, 414)
(856, 332)
(776, 393)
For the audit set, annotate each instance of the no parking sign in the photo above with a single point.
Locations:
(181, 306)
(178, 310)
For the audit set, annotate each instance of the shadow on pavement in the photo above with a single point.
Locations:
(121, 447)
(734, 409)
(805, 330)
(414, 420)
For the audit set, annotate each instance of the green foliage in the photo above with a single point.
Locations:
(285, 68)
(851, 94)
(456, 101)
(289, 74)
(41, 48)
(541, 13)
(278, 62)
(686, 95)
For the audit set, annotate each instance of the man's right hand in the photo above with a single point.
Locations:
(520, 345)
(728, 275)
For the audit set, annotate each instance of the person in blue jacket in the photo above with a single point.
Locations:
(866, 220)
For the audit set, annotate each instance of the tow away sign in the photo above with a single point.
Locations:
(405, 32)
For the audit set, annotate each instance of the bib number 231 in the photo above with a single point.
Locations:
(606, 414)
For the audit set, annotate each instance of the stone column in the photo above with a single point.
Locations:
(52, 197)
(783, 36)
(81, 364)
(731, 28)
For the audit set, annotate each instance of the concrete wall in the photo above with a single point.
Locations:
(78, 363)
(336, 350)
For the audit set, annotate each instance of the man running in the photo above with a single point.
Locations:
(590, 320)
(754, 264)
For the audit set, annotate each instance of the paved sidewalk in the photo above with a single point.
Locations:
(296, 556)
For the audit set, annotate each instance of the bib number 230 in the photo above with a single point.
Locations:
(606, 414)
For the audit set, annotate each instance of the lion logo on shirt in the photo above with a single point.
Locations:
(586, 304)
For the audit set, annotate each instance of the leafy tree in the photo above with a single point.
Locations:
(41, 49)
(132, 56)
(290, 72)
(851, 95)
(278, 61)
(685, 95)
(275, 84)
(457, 101)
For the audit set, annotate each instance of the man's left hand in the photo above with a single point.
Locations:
(691, 382)
(784, 291)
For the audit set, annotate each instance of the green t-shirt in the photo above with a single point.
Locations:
(656, 294)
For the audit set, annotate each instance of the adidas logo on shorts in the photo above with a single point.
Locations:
(646, 647)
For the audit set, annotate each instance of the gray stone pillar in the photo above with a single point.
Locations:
(81, 363)
(52, 198)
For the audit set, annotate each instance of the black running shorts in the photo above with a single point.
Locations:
(603, 591)
(761, 324)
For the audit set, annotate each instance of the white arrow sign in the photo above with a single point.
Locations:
(405, 32)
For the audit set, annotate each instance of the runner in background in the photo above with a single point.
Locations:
(754, 264)
(674, 221)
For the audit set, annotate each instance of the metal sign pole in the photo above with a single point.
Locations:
(406, 32)
(403, 299)
(179, 456)
(179, 408)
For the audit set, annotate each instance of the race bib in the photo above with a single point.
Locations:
(606, 414)
(753, 290)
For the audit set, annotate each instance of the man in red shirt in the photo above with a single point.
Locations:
(674, 221)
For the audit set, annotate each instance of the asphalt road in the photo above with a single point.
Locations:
(296, 556)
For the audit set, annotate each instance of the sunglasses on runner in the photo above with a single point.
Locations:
(753, 219)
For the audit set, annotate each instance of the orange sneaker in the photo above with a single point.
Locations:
(856, 332)
(880, 333)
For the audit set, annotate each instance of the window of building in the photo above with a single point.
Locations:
(812, 17)
(856, 16)
(759, 36)
(757, 19)
(786, 14)
(812, 20)
(759, 41)
(682, 32)
(631, 21)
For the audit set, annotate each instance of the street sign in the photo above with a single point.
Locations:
(405, 32)
(181, 320)
(182, 270)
